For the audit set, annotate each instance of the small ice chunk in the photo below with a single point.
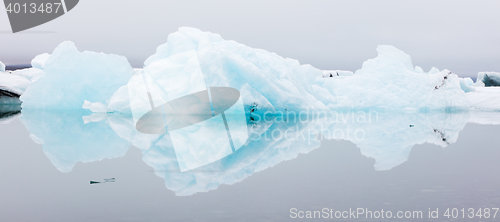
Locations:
(95, 107)
(2, 67)
(39, 61)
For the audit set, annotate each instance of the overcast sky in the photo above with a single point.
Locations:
(462, 36)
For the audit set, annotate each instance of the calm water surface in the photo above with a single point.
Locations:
(392, 162)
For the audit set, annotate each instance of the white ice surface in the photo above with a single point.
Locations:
(285, 83)
(29, 73)
(13, 83)
(71, 77)
(254, 101)
(467, 84)
(485, 118)
(485, 99)
(389, 81)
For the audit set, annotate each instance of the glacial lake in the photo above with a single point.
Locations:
(81, 167)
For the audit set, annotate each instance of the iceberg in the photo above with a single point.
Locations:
(71, 77)
(385, 108)
(389, 81)
(487, 79)
(65, 79)
(13, 85)
(285, 83)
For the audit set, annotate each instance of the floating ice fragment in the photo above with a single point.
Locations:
(95, 107)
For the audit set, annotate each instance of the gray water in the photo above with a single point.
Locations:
(442, 161)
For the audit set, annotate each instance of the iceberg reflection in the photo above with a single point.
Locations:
(66, 139)
(189, 164)
(8, 111)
